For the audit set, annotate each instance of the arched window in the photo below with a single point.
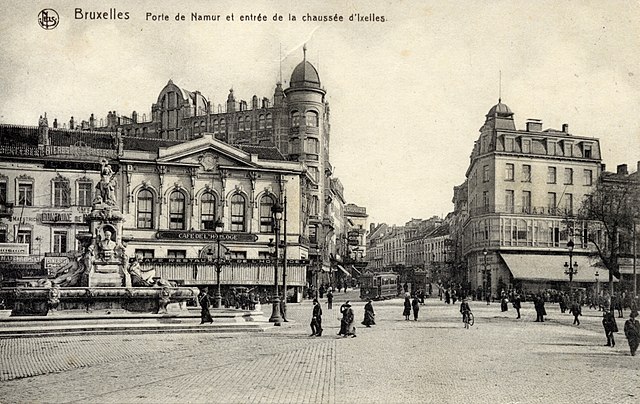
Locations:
(223, 126)
(215, 126)
(261, 122)
(145, 209)
(207, 211)
(266, 223)
(269, 121)
(177, 211)
(237, 213)
(247, 123)
(240, 123)
(312, 119)
(295, 119)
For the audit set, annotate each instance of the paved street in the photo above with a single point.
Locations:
(498, 360)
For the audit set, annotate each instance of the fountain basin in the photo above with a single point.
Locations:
(42, 301)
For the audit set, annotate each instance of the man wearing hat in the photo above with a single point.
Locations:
(632, 332)
(610, 327)
(316, 319)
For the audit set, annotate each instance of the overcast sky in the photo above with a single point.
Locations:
(407, 95)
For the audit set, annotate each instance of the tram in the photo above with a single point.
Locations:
(378, 286)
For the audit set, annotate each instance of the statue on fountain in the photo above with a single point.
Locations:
(107, 186)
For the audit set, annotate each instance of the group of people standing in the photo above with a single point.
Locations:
(409, 306)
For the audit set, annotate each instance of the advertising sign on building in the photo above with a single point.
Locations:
(52, 264)
(13, 249)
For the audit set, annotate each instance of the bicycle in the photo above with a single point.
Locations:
(468, 320)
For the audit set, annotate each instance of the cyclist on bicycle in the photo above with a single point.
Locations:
(465, 310)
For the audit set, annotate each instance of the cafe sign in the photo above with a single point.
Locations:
(206, 236)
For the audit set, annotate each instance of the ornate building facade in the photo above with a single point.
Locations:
(523, 191)
(181, 168)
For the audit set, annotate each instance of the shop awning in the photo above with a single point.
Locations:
(340, 267)
(355, 269)
(540, 267)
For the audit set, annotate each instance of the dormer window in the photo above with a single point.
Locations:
(587, 151)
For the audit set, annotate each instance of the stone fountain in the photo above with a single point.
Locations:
(100, 277)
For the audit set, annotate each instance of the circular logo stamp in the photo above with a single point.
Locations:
(48, 18)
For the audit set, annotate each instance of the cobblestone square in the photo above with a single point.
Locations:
(498, 360)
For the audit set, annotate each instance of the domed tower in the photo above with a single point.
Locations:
(308, 139)
(499, 117)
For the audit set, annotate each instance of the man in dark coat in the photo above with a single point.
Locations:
(415, 305)
(576, 310)
(369, 315)
(316, 319)
(610, 327)
(632, 331)
(540, 311)
(517, 304)
(205, 302)
(330, 299)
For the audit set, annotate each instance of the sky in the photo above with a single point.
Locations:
(407, 95)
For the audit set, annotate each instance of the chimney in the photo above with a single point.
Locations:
(534, 125)
(622, 169)
(565, 127)
(638, 167)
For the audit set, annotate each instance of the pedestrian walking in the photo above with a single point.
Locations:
(447, 296)
(576, 310)
(407, 308)
(330, 299)
(205, 302)
(488, 297)
(316, 319)
(632, 331)
(369, 315)
(349, 320)
(610, 327)
(540, 311)
(343, 322)
(415, 305)
(517, 304)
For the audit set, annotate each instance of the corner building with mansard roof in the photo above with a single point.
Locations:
(522, 193)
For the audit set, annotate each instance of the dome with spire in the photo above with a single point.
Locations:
(305, 75)
(500, 109)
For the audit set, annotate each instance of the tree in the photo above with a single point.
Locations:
(610, 212)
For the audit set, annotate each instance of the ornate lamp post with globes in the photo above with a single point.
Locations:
(276, 216)
(570, 268)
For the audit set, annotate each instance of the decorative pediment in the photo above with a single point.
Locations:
(206, 152)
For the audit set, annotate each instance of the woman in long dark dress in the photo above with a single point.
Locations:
(407, 308)
(369, 315)
(205, 302)
(632, 332)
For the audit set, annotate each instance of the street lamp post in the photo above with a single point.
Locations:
(485, 273)
(217, 299)
(276, 216)
(570, 268)
(597, 284)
